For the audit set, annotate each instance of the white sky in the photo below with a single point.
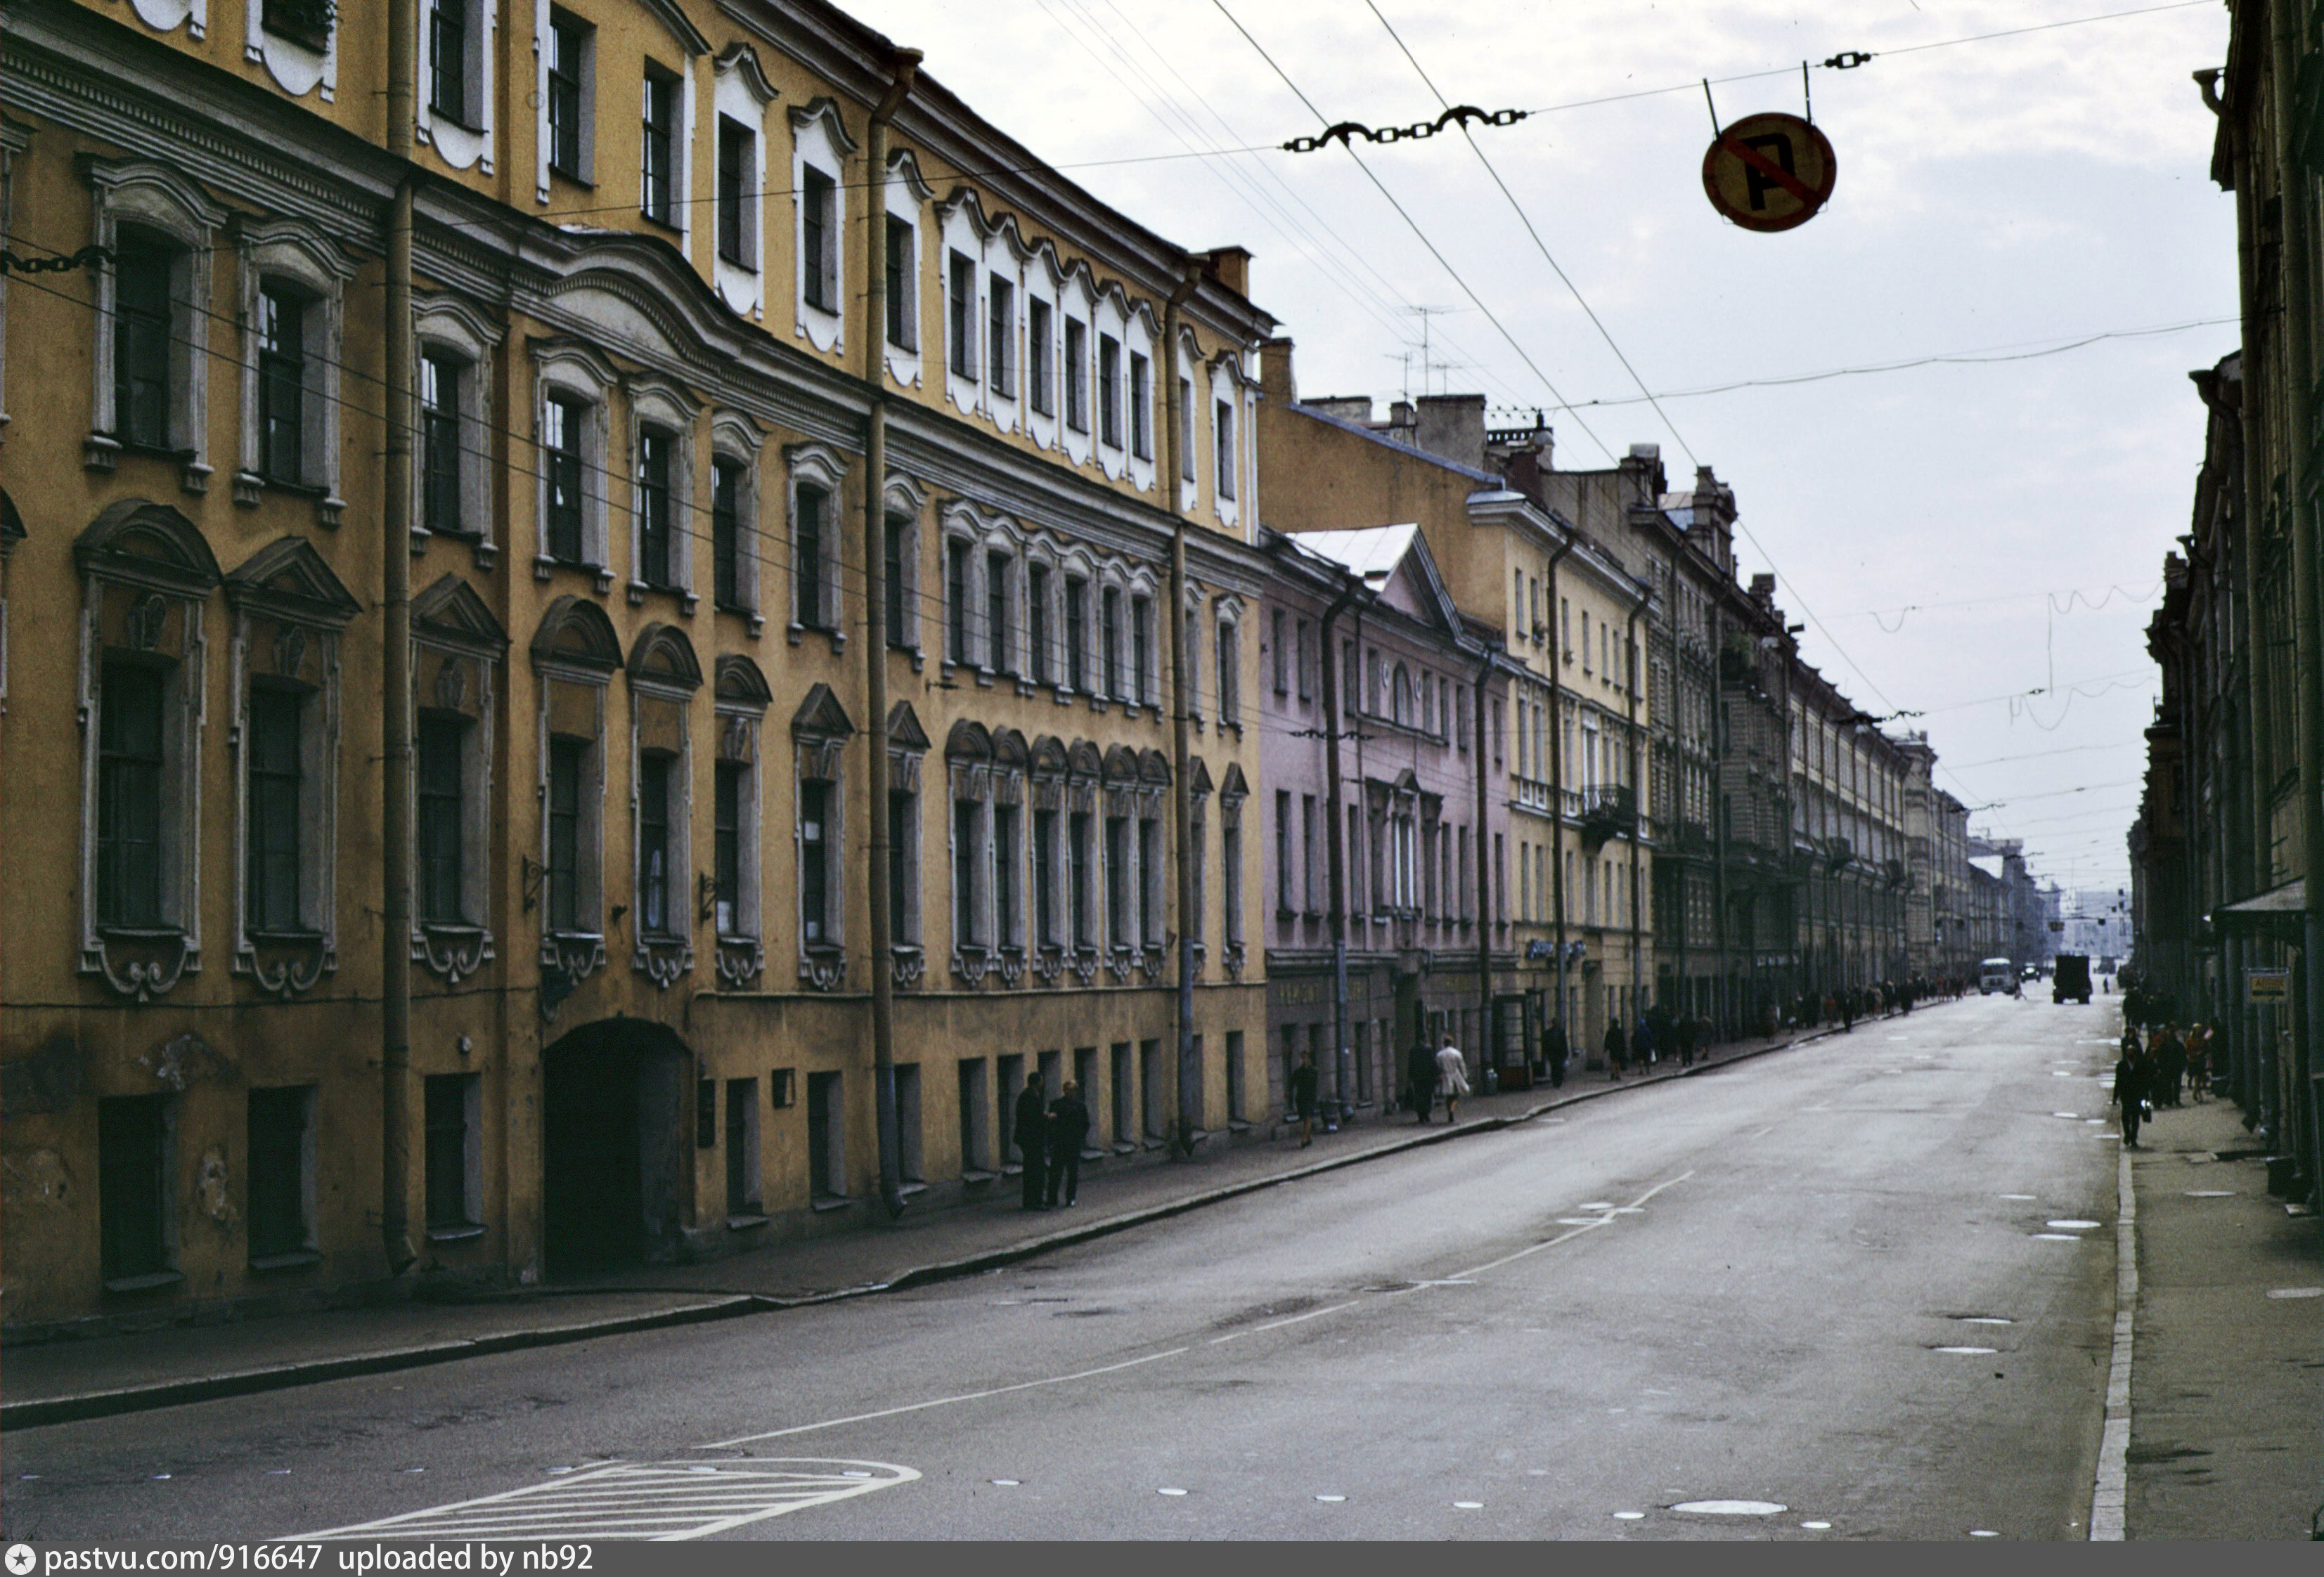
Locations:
(2010, 194)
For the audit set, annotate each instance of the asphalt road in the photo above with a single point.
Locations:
(1759, 1286)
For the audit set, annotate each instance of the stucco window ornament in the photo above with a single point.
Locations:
(574, 654)
(458, 650)
(907, 747)
(1233, 789)
(291, 284)
(1010, 758)
(146, 576)
(663, 678)
(1153, 805)
(1118, 864)
(820, 731)
(1046, 781)
(177, 225)
(1084, 908)
(740, 698)
(288, 610)
(968, 777)
(297, 43)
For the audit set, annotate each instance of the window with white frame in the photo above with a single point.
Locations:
(574, 654)
(1223, 436)
(740, 697)
(1109, 644)
(960, 553)
(1278, 656)
(907, 746)
(1311, 872)
(905, 503)
(456, 345)
(661, 109)
(816, 471)
(1077, 630)
(1141, 406)
(663, 677)
(1284, 872)
(821, 148)
(1109, 391)
(820, 732)
(572, 383)
(1141, 651)
(292, 282)
(738, 181)
(1041, 356)
(1076, 360)
(661, 490)
(458, 647)
(1232, 792)
(734, 554)
(568, 99)
(1000, 338)
(1041, 666)
(1229, 662)
(960, 313)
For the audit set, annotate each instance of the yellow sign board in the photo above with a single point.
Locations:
(2268, 985)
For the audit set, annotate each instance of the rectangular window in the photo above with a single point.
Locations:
(1185, 429)
(129, 795)
(808, 560)
(726, 533)
(1040, 386)
(826, 1136)
(1077, 375)
(454, 1101)
(142, 272)
(956, 601)
(1312, 887)
(1229, 648)
(1077, 878)
(960, 314)
(726, 837)
(1142, 407)
(1225, 439)
(440, 442)
(1281, 661)
(658, 161)
(271, 834)
(566, 760)
(997, 653)
(1117, 881)
(1150, 876)
(902, 332)
(569, 42)
(1108, 636)
(1077, 633)
(967, 849)
(1283, 867)
(1045, 875)
(1036, 621)
(818, 240)
(814, 860)
(1230, 876)
(1006, 929)
(1000, 338)
(1303, 663)
(653, 507)
(280, 1151)
(655, 915)
(742, 1147)
(441, 739)
(1141, 638)
(447, 60)
(1109, 390)
(903, 868)
(737, 152)
(561, 424)
(897, 549)
(281, 384)
(132, 1188)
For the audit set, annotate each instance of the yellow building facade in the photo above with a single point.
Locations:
(640, 960)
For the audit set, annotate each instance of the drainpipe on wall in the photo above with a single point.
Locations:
(1181, 798)
(1638, 797)
(2241, 1021)
(395, 668)
(875, 626)
(1333, 814)
(1490, 1056)
(1556, 793)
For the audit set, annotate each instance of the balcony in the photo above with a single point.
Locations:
(1608, 812)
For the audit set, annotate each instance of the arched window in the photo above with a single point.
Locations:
(1400, 703)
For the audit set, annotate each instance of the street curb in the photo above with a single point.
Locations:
(2110, 1490)
(86, 1405)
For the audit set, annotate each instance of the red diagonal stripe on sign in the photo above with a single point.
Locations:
(1768, 167)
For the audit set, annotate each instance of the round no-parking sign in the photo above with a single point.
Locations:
(1769, 171)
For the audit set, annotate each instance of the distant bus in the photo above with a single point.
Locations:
(1995, 974)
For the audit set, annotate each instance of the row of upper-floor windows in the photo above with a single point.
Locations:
(1400, 858)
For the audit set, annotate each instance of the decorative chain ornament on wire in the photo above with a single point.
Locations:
(1346, 131)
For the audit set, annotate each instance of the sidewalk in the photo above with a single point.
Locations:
(95, 1377)
(2227, 1390)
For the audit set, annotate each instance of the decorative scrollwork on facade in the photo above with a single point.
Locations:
(451, 952)
(740, 961)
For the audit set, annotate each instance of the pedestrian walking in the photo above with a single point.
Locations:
(1451, 1078)
(1616, 1048)
(1069, 1123)
(2130, 1094)
(1685, 1034)
(1420, 1076)
(2169, 1067)
(2199, 1062)
(1642, 1043)
(1847, 1011)
(1553, 1045)
(1303, 1098)
(1032, 1129)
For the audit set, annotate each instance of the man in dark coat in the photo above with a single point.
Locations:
(1032, 1119)
(2130, 1094)
(1684, 1031)
(1616, 1048)
(1069, 1123)
(1554, 1047)
(1642, 1043)
(1304, 1079)
(1420, 1074)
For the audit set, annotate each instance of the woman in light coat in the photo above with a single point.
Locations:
(1452, 1077)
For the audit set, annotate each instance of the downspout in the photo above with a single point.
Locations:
(1181, 798)
(1491, 1055)
(875, 626)
(1723, 1001)
(1333, 815)
(1557, 787)
(395, 668)
(2241, 1022)
(1638, 798)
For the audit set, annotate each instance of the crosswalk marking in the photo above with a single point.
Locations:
(656, 1501)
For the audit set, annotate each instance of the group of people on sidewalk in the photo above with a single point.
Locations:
(1049, 1135)
(2152, 1071)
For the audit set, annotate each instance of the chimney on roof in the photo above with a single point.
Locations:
(1230, 267)
(1452, 426)
(1399, 415)
(1276, 379)
(1763, 590)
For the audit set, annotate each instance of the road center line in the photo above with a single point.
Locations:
(1565, 1237)
(1000, 1390)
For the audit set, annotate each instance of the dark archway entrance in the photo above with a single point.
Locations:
(613, 1146)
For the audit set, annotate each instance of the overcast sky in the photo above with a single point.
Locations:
(1995, 196)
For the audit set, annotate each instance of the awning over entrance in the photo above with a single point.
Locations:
(2278, 908)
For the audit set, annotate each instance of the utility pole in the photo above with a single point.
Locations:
(395, 661)
(1180, 433)
(1557, 784)
(1332, 816)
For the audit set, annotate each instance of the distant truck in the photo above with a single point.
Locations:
(1997, 975)
(2073, 978)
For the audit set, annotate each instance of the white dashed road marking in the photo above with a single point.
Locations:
(660, 1502)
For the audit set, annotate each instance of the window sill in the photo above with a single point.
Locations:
(745, 1223)
(1123, 1146)
(558, 172)
(286, 937)
(659, 223)
(150, 1281)
(737, 265)
(455, 119)
(977, 1175)
(466, 1232)
(298, 1258)
(140, 933)
(828, 1202)
(909, 1187)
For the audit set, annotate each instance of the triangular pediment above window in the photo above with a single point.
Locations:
(1233, 789)
(1198, 778)
(904, 730)
(821, 716)
(577, 634)
(451, 610)
(663, 656)
(968, 741)
(141, 540)
(287, 578)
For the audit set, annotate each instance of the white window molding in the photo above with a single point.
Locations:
(1231, 469)
(297, 67)
(739, 700)
(1110, 320)
(1077, 302)
(907, 747)
(146, 575)
(1043, 281)
(1005, 265)
(447, 324)
(14, 140)
(663, 676)
(544, 46)
(741, 92)
(1226, 611)
(1234, 791)
(906, 503)
(570, 370)
(574, 654)
(288, 610)
(735, 439)
(963, 235)
(461, 144)
(820, 731)
(823, 469)
(168, 16)
(1142, 336)
(908, 197)
(968, 781)
(287, 252)
(658, 405)
(154, 197)
(458, 650)
(820, 142)
(1193, 419)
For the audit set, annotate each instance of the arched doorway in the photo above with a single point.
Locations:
(613, 1146)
